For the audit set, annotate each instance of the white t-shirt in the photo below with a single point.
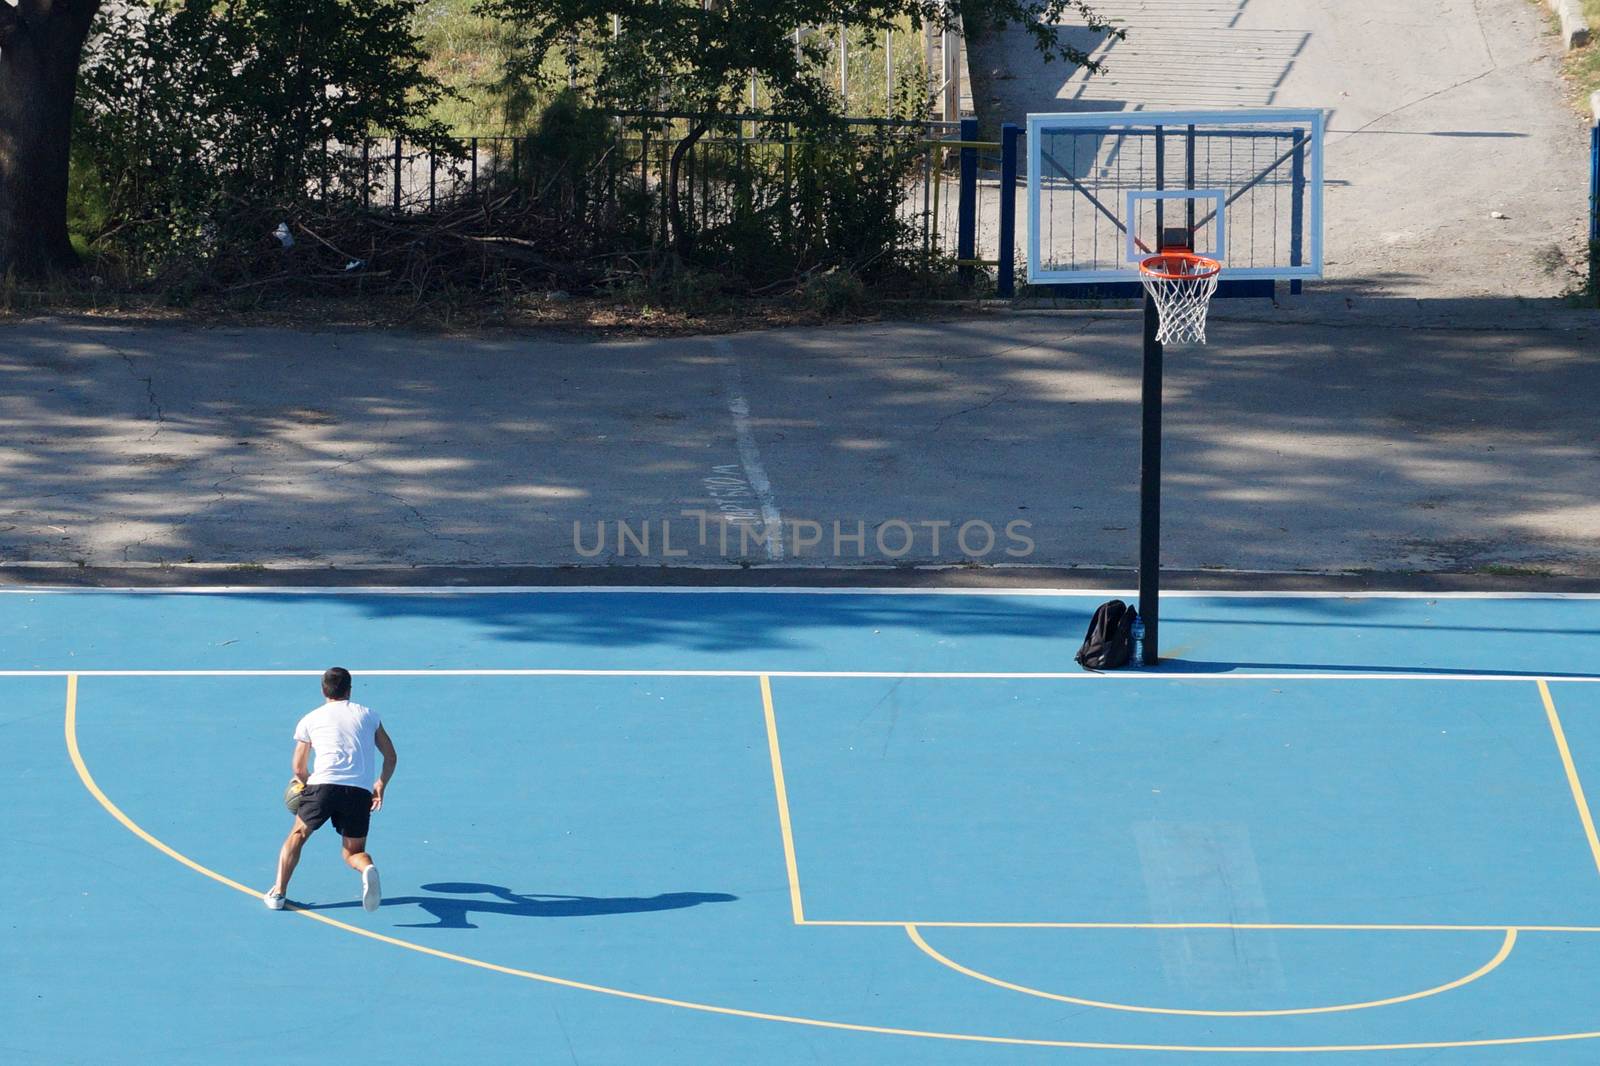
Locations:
(342, 734)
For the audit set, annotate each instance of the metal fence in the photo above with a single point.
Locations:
(961, 198)
(749, 164)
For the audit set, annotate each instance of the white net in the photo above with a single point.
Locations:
(1182, 286)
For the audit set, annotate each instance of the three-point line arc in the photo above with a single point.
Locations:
(81, 767)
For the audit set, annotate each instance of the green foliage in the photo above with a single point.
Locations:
(847, 194)
(88, 200)
(202, 120)
(694, 290)
(570, 134)
(467, 53)
(1583, 64)
(470, 52)
(834, 292)
(701, 57)
(206, 123)
(781, 202)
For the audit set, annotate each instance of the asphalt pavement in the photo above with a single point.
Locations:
(1457, 161)
(1327, 438)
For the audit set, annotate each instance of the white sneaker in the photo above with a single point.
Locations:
(371, 894)
(273, 900)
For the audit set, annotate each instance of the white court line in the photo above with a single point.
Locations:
(746, 590)
(750, 455)
(864, 674)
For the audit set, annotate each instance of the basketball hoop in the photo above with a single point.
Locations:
(1181, 284)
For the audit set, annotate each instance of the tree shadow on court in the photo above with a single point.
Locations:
(452, 911)
(1204, 666)
(782, 631)
(716, 623)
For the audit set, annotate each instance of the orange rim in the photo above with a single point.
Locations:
(1179, 266)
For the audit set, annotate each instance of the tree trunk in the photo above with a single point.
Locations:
(41, 43)
(985, 66)
(1011, 76)
(682, 238)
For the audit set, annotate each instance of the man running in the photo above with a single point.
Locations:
(342, 788)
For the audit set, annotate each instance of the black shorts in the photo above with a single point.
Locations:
(349, 808)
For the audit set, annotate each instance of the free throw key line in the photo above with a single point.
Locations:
(783, 801)
(1572, 772)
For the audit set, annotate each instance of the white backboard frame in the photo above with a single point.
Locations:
(1314, 121)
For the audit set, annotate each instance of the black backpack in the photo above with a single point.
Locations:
(1109, 642)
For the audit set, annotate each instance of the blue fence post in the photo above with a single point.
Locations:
(1594, 198)
(967, 204)
(1297, 208)
(1006, 282)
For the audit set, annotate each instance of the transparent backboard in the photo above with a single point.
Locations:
(1109, 188)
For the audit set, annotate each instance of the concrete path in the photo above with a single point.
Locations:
(1322, 442)
(1443, 112)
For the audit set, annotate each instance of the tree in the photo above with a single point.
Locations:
(41, 43)
(205, 123)
(258, 84)
(699, 56)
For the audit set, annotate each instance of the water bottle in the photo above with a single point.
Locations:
(1138, 639)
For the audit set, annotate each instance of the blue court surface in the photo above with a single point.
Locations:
(689, 826)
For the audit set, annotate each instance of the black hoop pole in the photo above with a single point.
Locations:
(1150, 485)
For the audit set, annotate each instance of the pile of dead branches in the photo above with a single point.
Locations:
(492, 246)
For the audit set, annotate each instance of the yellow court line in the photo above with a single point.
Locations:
(1488, 967)
(708, 1008)
(1572, 772)
(116, 812)
(783, 802)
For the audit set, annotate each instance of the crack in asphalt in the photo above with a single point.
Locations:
(422, 520)
(991, 401)
(343, 462)
(1483, 31)
(157, 415)
(1413, 103)
(172, 527)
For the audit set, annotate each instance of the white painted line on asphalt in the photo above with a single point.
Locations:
(749, 454)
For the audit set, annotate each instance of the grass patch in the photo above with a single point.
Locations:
(467, 52)
(1582, 66)
(1582, 70)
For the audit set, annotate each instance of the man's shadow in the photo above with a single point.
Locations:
(452, 912)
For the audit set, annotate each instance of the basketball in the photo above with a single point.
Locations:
(291, 795)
